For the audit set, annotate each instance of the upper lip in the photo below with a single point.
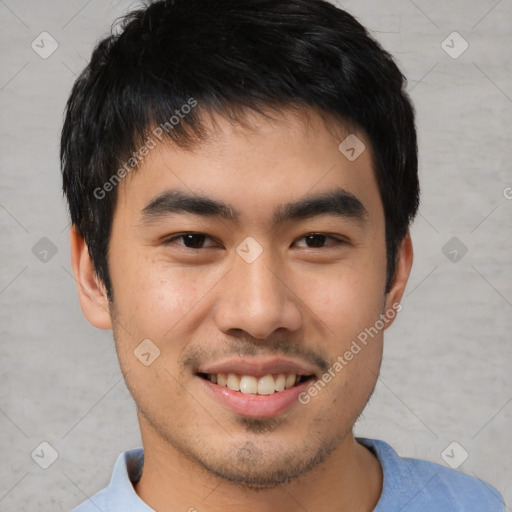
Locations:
(258, 367)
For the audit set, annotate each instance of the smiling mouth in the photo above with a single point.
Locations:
(249, 384)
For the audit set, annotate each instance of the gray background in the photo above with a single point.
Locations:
(446, 373)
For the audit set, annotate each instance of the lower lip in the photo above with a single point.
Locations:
(256, 406)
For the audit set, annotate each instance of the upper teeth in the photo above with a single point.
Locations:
(265, 385)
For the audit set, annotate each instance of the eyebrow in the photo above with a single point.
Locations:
(339, 203)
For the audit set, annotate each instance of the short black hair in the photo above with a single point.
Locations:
(168, 62)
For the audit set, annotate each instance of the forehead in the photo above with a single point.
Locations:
(257, 164)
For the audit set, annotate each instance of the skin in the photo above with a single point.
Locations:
(207, 304)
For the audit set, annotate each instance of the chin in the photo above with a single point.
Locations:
(257, 468)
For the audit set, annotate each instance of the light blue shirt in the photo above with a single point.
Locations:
(410, 485)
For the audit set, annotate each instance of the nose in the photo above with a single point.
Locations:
(257, 298)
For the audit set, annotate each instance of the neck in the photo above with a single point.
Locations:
(350, 479)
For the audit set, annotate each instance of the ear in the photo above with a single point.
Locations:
(404, 260)
(91, 290)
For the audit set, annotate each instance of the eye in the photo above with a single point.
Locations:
(190, 240)
(317, 240)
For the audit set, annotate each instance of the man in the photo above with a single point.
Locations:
(241, 177)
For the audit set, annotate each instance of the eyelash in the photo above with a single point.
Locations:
(338, 241)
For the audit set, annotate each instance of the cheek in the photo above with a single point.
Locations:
(153, 296)
(167, 305)
(346, 301)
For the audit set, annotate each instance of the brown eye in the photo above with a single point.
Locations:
(315, 240)
(189, 240)
(318, 240)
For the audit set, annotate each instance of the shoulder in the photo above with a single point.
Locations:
(418, 485)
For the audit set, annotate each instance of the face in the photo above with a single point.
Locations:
(257, 258)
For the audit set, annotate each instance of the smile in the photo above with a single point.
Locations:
(249, 384)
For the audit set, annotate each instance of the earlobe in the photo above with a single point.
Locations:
(91, 290)
(404, 261)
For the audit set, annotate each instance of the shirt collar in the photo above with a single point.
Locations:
(127, 471)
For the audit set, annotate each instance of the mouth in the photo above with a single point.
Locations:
(256, 388)
(250, 384)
